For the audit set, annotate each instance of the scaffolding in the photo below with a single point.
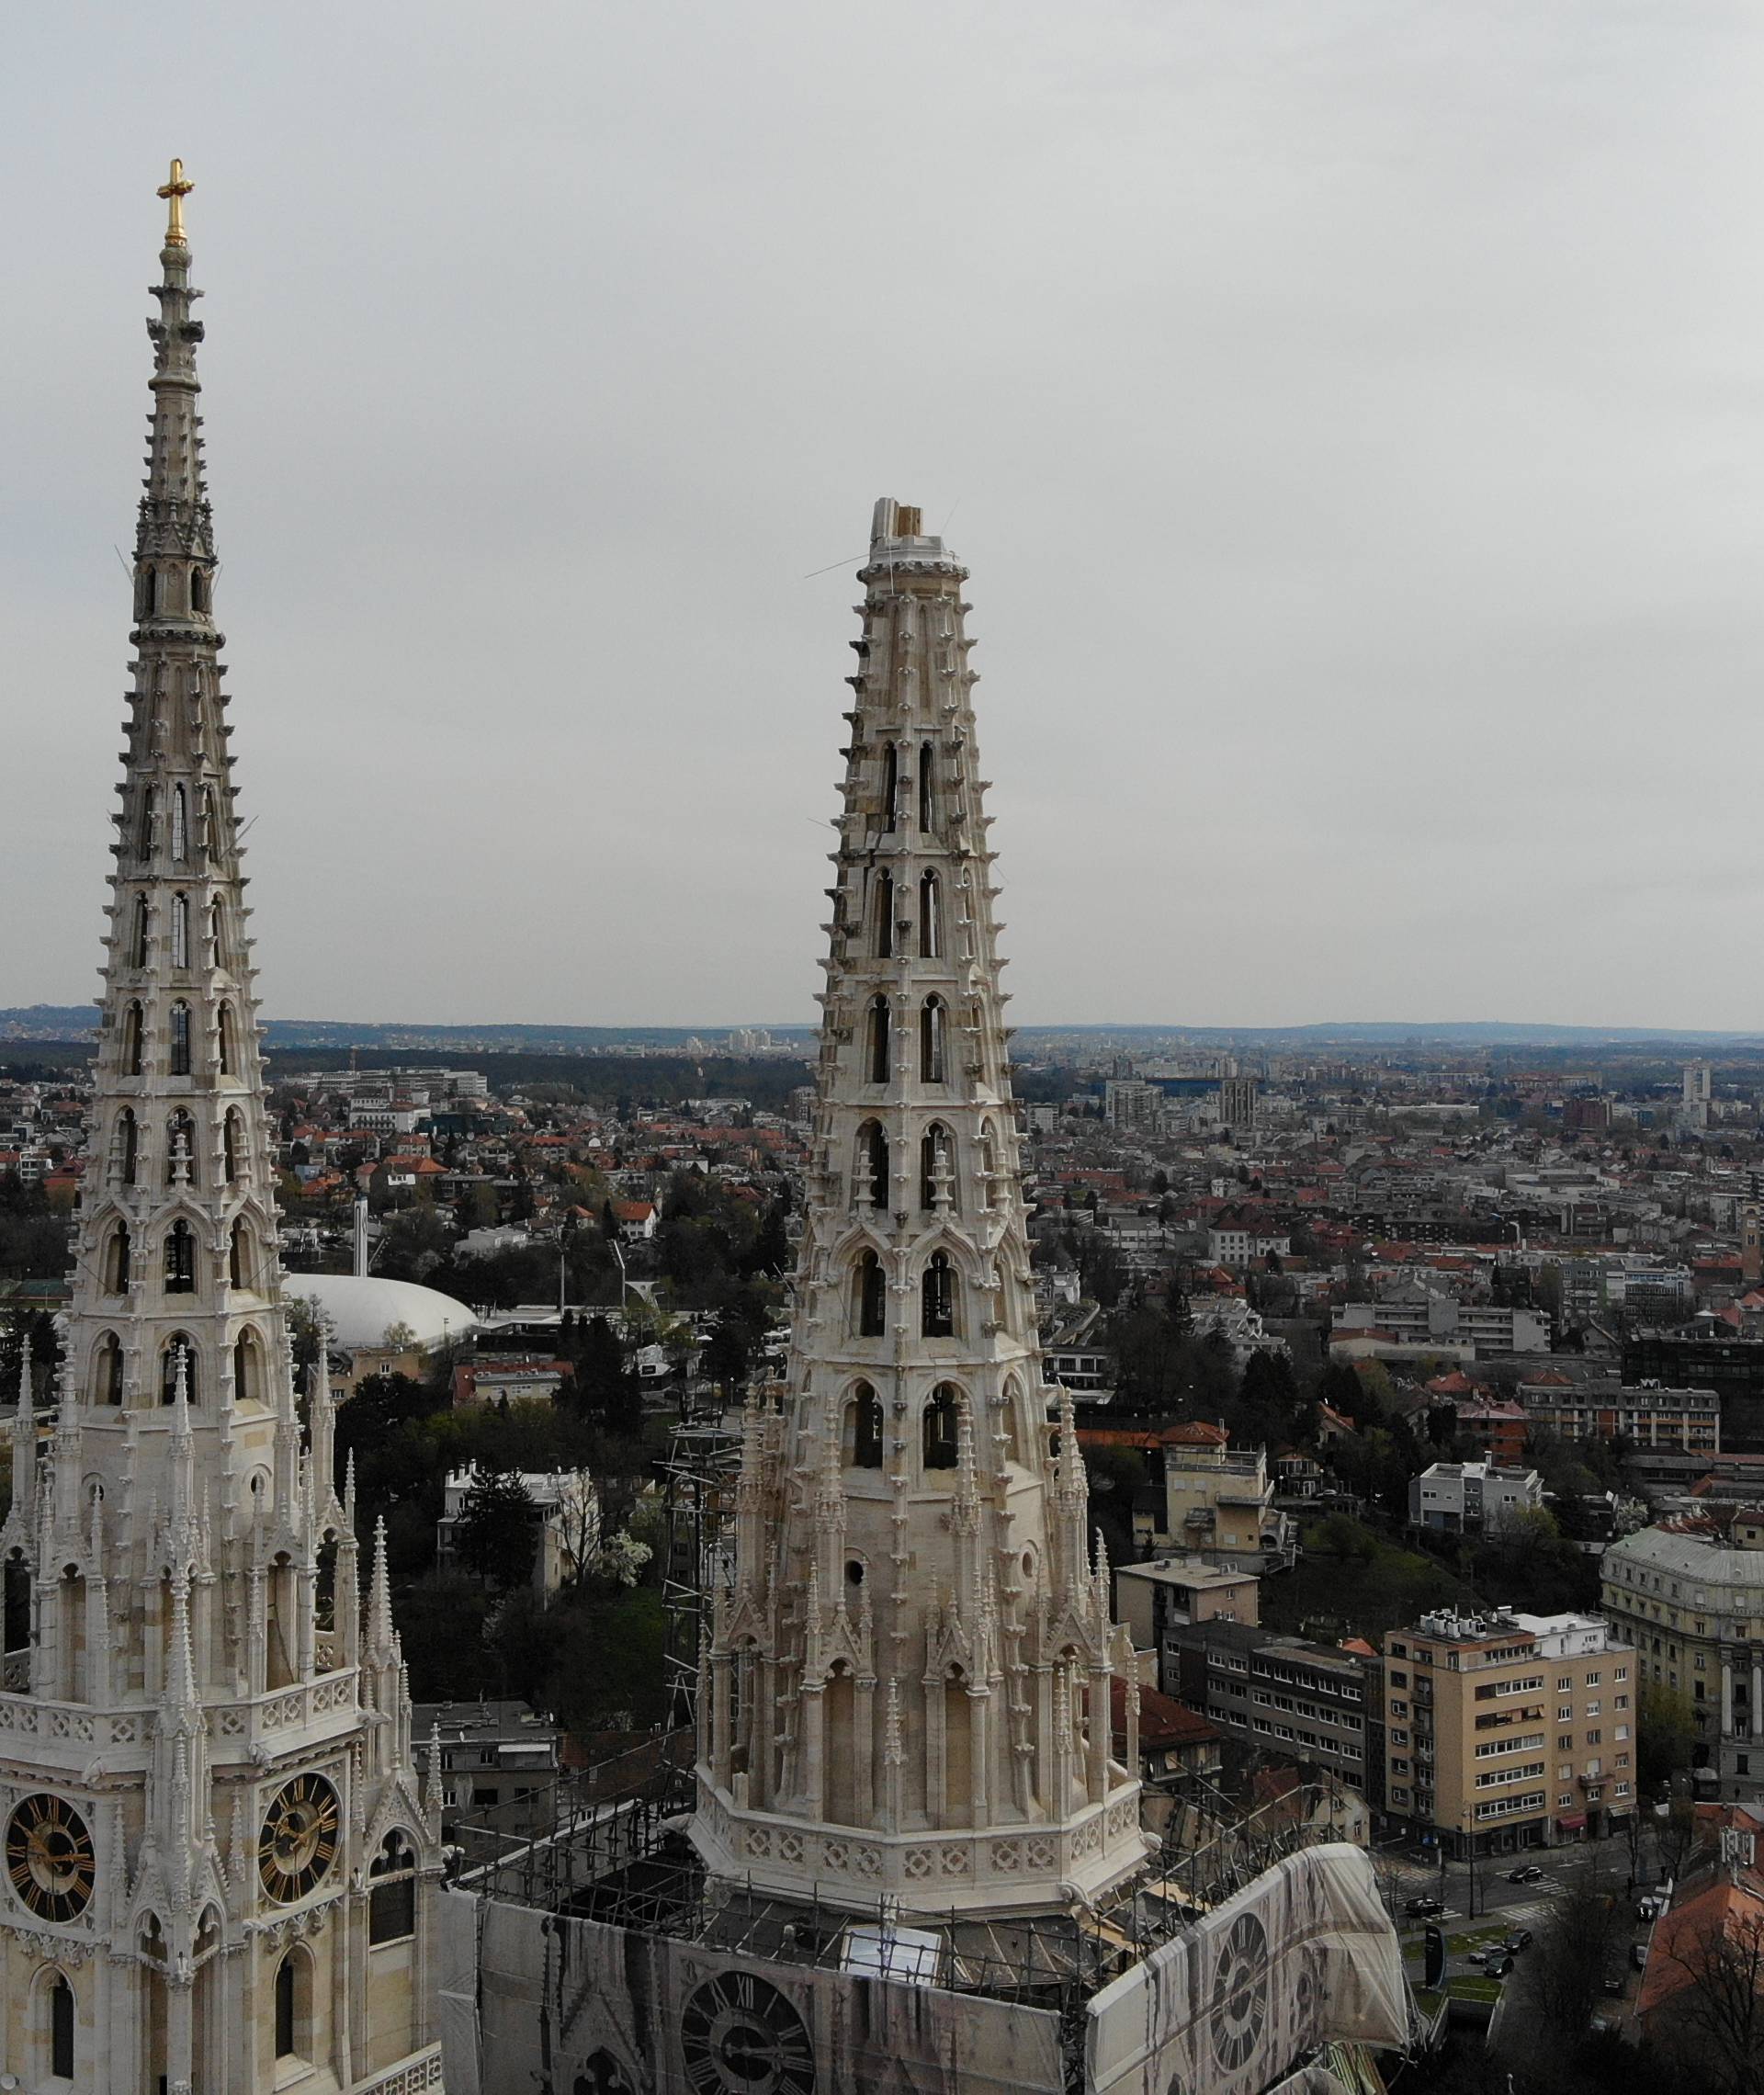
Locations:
(704, 1453)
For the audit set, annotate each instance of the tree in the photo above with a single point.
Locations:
(1345, 1539)
(1561, 1978)
(1666, 1734)
(496, 1534)
(1719, 2008)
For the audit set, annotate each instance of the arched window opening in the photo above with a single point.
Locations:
(884, 916)
(862, 1435)
(926, 801)
(146, 592)
(890, 784)
(106, 1377)
(942, 1427)
(938, 1293)
(989, 1163)
(200, 587)
(223, 1039)
(287, 1990)
(180, 1041)
(601, 2074)
(237, 1257)
(180, 1149)
(180, 823)
(147, 822)
(180, 930)
(1012, 1422)
(217, 934)
(247, 1369)
(936, 1169)
(879, 1041)
(131, 1041)
(128, 1147)
(117, 1261)
(211, 838)
(177, 1361)
(932, 1040)
(872, 1176)
(391, 1891)
(871, 1289)
(930, 933)
(60, 2029)
(279, 1670)
(138, 937)
(230, 1147)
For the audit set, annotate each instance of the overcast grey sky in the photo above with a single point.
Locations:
(1352, 413)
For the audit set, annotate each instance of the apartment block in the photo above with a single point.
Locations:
(1175, 1592)
(1510, 1730)
(1284, 1696)
(1648, 1414)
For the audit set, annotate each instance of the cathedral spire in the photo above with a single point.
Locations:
(914, 1490)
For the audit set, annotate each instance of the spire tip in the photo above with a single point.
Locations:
(174, 190)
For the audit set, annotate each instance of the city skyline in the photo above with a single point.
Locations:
(1354, 418)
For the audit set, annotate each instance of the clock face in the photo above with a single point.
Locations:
(741, 2037)
(298, 1841)
(50, 1859)
(1240, 1991)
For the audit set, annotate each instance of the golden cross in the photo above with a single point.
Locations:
(175, 192)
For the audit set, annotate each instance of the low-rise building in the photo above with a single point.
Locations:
(1283, 1696)
(1510, 1730)
(1648, 1414)
(1470, 1498)
(1441, 1323)
(494, 1757)
(1173, 1593)
(1219, 1502)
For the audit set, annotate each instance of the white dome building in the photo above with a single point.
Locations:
(383, 1323)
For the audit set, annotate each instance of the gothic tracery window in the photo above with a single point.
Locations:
(131, 1040)
(877, 1045)
(871, 1287)
(138, 936)
(180, 1260)
(930, 931)
(884, 916)
(180, 823)
(180, 1039)
(180, 1356)
(180, 930)
(872, 1183)
(938, 1298)
(391, 1891)
(932, 1044)
(862, 1436)
(942, 1424)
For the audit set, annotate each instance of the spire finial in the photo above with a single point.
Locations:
(174, 191)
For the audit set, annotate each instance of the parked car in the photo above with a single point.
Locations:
(1638, 1955)
(1422, 1908)
(1519, 1939)
(1499, 1964)
(1527, 1873)
(1650, 1908)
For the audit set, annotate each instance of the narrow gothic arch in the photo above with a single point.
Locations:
(862, 1428)
(140, 933)
(226, 1055)
(180, 1054)
(180, 1259)
(927, 788)
(391, 1889)
(70, 1668)
(940, 1430)
(180, 1149)
(870, 1174)
(878, 1043)
(117, 1262)
(293, 2004)
(990, 1162)
(869, 1297)
(838, 1726)
(279, 1668)
(180, 930)
(248, 1368)
(128, 1146)
(107, 1370)
(933, 1040)
(54, 2018)
(231, 1129)
(1011, 1412)
(210, 824)
(148, 822)
(178, 1349)
(930, 917)
(241, 1262)
(937, 1184)
(132, 1029)
(958, 1748)
(219, 954)
(883, 913)
(180, 824)
(890, 784)
(937, 1298)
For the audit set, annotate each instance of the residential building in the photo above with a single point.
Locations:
(1218, 1502)
(1173, 1593)
(494, 1756)
(1470, 1498)
(1283, 1696)
(1646, 1414)
(1238, 1235)
(1510, 1730)
(1693, 1605)
(566, 1509)
(1178, 1748)
(1429, 1319)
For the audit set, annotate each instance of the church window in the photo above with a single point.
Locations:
(238, 1256)
(60, 2029)
(199, 599)
(138, 936)
(879, 1041)
(872, 1165)
(116, 1261)
(127, 1147)
(217, 934)
(871, 1289)
(223, 1039)
(107, 1381)
(180, 1041)
(131, 1041)
(864, 1429)
(230, 1147)
(890, 784)
(247, 1369)
(146, 592)
(391, 1891)
(926, 803)
(179, 1354)
(931, 931)
(210, 826)
(180, 1260)
(180, 1149)
(936, 1160)
(938, 1293)
(942, 1417)
(180, 930)
(286, 1988)
(180, 823)
(932, 1040)
(148, 822)
(884, 916)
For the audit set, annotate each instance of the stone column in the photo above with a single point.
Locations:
(721, 1667)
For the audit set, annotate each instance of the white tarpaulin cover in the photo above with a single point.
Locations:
(1304, 1955)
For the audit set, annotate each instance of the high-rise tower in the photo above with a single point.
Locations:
(217, 1848)
(907, 1690)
